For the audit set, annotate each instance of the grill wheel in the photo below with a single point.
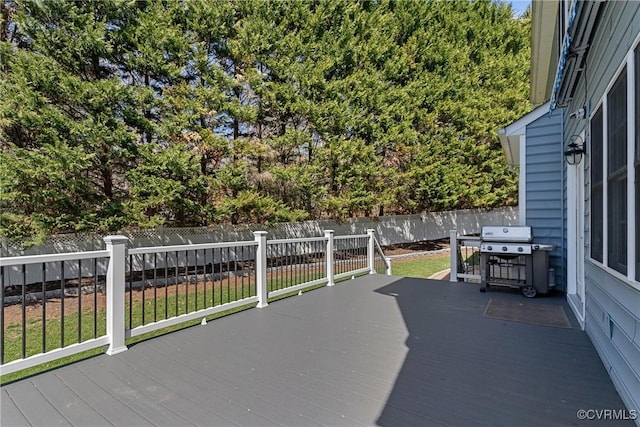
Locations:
(529, 291)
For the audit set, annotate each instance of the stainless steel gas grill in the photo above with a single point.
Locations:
(509, 258)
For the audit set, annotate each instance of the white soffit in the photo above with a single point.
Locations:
(544, 16)
(512, 135)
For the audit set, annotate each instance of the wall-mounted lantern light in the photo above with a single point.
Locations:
(575, 150)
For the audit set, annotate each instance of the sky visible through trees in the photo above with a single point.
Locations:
(119, 114)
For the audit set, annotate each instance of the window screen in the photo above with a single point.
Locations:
(617, 174)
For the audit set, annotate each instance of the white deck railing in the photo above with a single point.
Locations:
(465, 257)
(57, 305)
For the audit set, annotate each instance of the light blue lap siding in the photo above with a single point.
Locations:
(612, 305)
(544, 198)
(613, 324)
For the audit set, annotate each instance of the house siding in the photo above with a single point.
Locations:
(613, 325)
(544, 194)
(612, 317)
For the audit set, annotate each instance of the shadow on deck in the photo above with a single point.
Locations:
(376, 350)
(466, 369)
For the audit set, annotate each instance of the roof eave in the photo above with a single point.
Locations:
(511, 136)
(544, 16)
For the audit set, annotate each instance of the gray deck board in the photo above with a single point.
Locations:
(312, 409)
(71, 406)
(113, 410)
(36, 408)
(130, 393)
(202, 388)
(241, 383)
(10, 414)
(246, 383)
(371, 351)
(175, 409)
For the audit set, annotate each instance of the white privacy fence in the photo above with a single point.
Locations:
(389, 230)
(57, 305)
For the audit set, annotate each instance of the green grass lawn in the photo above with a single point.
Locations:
(422, 267)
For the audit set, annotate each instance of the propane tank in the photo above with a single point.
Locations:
(552, 278)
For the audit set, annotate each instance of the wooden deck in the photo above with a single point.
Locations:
(376, 350)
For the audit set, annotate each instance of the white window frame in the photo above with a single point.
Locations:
(599, 105)
(632, 128)
(631, 169)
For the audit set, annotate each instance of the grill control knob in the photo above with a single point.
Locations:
(490, 248)
(504, 249)
(520, 249)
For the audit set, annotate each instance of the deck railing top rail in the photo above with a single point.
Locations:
(299, 240)
(190, 247)
(351, 236)
(39, 259)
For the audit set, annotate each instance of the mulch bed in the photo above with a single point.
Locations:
(422, 246)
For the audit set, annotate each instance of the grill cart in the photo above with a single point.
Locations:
(509, 258)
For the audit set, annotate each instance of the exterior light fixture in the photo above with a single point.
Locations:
(579, 114)
(575, 150)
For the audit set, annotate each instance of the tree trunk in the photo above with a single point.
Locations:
(147, 112)
(4, 24)
(107, 182)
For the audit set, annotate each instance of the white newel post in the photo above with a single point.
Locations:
(329, 235)
(117, 246)
(388, 271)
(371, 252)
(261, 268)
(453, 245)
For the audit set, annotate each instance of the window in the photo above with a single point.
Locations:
(617, 174)
(637, 161)
(596, 187)
(614, 175)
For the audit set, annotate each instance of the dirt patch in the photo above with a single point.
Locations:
(422, 246)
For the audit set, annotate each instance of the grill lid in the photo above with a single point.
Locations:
(500, 233)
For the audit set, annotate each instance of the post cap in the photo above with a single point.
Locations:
(116, 239)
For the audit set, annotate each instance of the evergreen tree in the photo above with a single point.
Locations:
(137, 114)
